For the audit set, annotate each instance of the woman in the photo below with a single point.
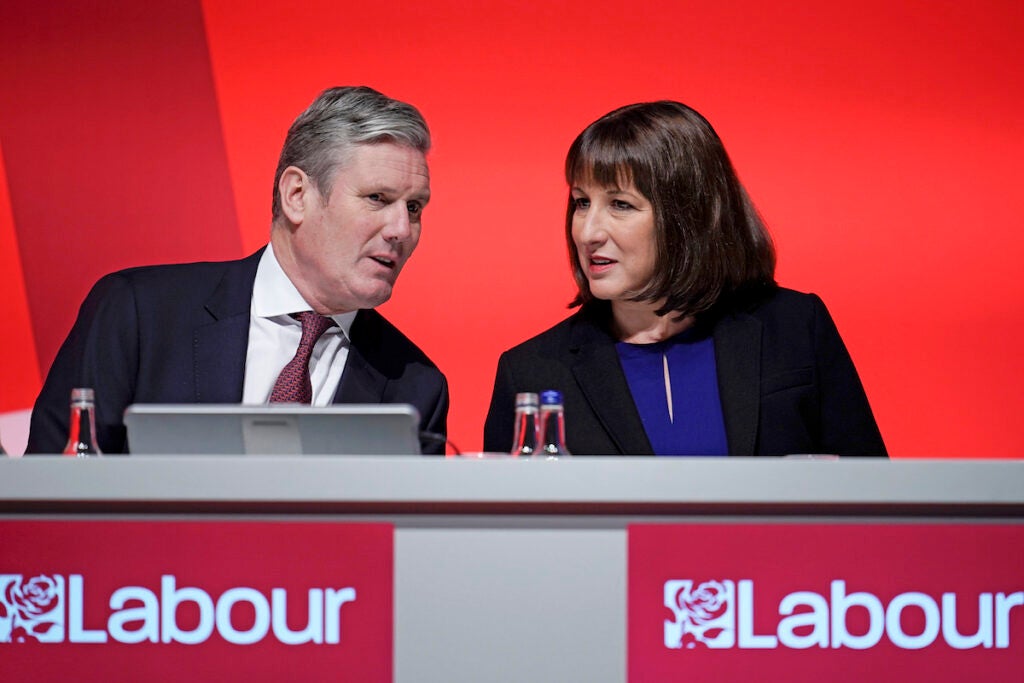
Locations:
(683, 344)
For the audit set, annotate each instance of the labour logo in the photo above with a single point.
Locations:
(31, 610)
(704, 616)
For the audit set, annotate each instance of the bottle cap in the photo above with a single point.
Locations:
(526, 399)
(551, 397)
(83, 394)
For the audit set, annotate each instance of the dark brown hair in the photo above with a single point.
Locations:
(711, 242)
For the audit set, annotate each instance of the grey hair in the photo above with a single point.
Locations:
(338, 119)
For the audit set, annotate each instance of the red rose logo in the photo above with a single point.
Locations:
(33, 599)
(707, 602)
(30, 611)
(21, 635)
(702, 614)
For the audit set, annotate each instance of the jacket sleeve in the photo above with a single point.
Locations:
(100, 352)
(847, 424)
(434, 424)
(500, 415)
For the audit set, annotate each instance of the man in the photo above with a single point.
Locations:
(349, 193)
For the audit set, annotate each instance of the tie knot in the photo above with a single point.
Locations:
(313, 325)
(293, 384)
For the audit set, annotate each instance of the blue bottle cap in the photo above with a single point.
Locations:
(550, 397)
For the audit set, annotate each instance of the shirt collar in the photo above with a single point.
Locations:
(274, 296)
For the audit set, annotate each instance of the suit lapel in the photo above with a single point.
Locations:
(362, 382)
(738, 360)
(604, 387)
(221, 345)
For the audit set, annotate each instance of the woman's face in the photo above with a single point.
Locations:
(613, 229)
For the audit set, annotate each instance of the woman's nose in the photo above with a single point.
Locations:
(592, 227)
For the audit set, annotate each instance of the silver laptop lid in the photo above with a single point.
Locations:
(276, 429)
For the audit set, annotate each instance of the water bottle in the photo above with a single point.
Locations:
(552, 425)
(526, 434)
(82, 426)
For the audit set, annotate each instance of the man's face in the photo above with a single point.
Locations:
(351, 246)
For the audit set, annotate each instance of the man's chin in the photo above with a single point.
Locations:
(375, 298)
(354, 301)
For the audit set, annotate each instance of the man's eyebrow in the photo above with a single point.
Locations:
(388, 189)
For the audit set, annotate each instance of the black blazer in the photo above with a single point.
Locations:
(179, 334)
(786, 382)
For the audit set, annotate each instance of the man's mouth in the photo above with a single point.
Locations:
(386, 262)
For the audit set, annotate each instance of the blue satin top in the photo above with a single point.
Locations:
(675, 388)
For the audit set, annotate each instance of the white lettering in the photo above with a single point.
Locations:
(170, 598)
(333, 600)
(952, 634)
(139, 615)
(76, 632)
(148, 614)
(745, 619)
(841, 602)
(261, 624)
(817, 619)
(894, 625)
(1004, 603)
(808, 619)
(314, 631)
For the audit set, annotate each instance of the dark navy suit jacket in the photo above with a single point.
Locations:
(786, 382)
(179, 334)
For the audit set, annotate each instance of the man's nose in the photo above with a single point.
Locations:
(399, 225)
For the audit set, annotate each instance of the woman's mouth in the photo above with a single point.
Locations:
(599, 264)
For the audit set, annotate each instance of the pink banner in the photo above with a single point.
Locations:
(197, 601)
(840, 602)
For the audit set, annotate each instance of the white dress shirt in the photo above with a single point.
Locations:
(274, 337)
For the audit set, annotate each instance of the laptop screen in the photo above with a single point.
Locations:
(275, 429)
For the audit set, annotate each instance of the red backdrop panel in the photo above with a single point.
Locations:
(880, 142)
(18, 365)
(113, 147)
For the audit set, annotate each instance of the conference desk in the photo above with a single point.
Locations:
(514, 570)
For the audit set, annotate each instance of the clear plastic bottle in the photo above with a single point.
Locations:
(552, 425)
(527, 428)
(82, 426)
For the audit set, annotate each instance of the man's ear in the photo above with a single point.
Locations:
(297, 191)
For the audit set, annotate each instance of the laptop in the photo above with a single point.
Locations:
(275, 429)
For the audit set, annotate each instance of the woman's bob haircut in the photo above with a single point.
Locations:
(711, 243)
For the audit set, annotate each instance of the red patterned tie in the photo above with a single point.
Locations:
(292, 385)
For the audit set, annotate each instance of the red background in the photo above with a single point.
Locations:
(213, 556)
(885, 560)
(881, 141)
